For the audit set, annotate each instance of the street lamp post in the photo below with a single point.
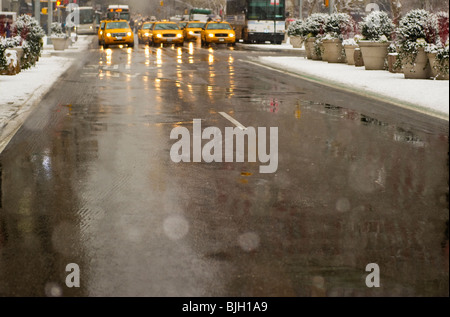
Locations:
(300, 11)
(37, 11)
(274, 21)
(50, 17)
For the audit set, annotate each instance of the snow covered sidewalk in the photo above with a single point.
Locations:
(19, 94)
(428, 96)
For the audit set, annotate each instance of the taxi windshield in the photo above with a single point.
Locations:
(166, 26)
(219, 26)
(117, 25)
(196, 25)
(147, 26)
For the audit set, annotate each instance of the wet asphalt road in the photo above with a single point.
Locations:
(89, 180)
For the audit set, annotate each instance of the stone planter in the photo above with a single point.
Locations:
(59, 43)
(350, 53)
(314, 54)
(392, 59)
(420, 69)
(296, 41)
(12, 69)
(357, 56)
(435, 71)
(68, 42)
(309, 46)
(375, 54)
(333, 51)
(20, 54)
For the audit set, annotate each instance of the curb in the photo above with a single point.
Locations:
(346, 88)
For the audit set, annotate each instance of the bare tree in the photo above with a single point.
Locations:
(396, 9)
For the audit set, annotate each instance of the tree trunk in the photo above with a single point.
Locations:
(396, 8)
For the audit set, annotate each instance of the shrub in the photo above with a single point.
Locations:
(315, 24)
(377, 27)
(297, 28)
(417, 29)
(339, 25)
(29, 29)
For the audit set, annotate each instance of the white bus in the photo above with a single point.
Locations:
(119, 11)
(88, 20)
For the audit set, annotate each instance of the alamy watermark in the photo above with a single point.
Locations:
(73, 18)
(73, 278)
(373, 278)
(213, 150)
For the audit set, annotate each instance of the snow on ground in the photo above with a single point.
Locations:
(20, 93)
(430, 96)
(283, 46)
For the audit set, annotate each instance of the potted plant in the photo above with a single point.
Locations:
(393, 66)
(350, 45)
(59, 39)
(32, 33)
(376, 30)
(338, 26)
(314, 26)
(296, 34)
(414, 34)
(438, 53)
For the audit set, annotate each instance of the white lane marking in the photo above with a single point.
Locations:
(232, 120)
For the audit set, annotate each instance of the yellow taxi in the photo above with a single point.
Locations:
(144, 32)
(167, 33)
(218, 33)
(193, 30)
(182, 24)
(100, 31)
(117, 32)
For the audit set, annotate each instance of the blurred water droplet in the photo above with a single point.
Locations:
(176, 227)
(248, 241)
(318, 281)
(53, 290)
(343, 205)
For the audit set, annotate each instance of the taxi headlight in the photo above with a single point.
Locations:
(211, 35)
(108, 34)
(231, 35)
(191, 32)
(159, 36)
(179, 35)
(129, 33)
(146, 34)
(101, 32)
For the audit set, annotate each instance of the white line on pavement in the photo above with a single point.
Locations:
(234, 121)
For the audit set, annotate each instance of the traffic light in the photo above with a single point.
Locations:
(162, 3)
(326, 3)
(44, 10)
(58, 3)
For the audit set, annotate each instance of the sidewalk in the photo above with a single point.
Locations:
(427, 96)
(21, 93)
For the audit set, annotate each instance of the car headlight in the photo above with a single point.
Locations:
(211, 35)
(146, 34)
(101, 32)
(108, 34)
(159, 36)
(179, 35)
(231, 35)
(191, 33)
(129, 33)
